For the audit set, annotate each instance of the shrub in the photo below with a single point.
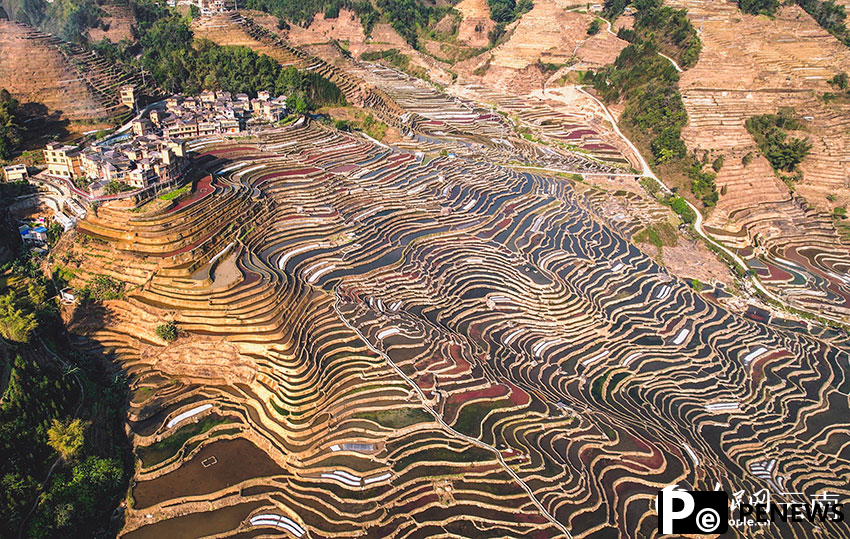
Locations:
(839, 81)
(768, 132)
(167, 331)
(682, 209)
(717, 164)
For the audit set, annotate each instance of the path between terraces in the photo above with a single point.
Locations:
(698, 223)
(445, 425)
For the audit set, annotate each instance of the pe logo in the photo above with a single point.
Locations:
(692, 511)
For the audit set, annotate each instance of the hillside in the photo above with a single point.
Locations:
(78, 85)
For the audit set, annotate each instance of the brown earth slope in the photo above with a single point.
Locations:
(754, 65)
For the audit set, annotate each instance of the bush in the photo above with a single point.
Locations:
(680, 206)
(717, 164)
(15, 324)
(66, 437)
(167, 332)
(839, 81)
(103, 287)
(758, 7)
(11, 132)
(114, 187)
(768, 132)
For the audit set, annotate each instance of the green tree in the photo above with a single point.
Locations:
(758, 7)
(839, 81)
(594, 27)
(66, 437)
(15, 324)
(11, 132)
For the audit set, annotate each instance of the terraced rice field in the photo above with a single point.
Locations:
(380, 344)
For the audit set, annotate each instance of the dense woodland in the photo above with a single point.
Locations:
(66, 411)
(648, 83)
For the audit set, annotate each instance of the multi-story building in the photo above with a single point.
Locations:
(62, 161)
(128, 96)
(15, 173)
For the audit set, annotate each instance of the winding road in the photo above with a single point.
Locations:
(698, 222)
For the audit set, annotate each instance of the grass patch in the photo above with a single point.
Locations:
(444, 454)
(171, 195)
(396, 418)
(161, 451)
(660, 235)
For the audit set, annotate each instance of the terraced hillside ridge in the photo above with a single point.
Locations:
(548, 34)
(39, 67)
(116, 24)
(382, 344)
(753, 65)
(233, 29)
(432, 120)
(347, 30)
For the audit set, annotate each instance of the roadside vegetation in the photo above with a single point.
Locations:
(654, 112)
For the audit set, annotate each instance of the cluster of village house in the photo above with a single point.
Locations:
(154, 152)
(207, 7)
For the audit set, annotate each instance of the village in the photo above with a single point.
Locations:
(145, 157)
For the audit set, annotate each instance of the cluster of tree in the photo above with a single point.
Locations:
(181, 64)
(653, 104)
(702, 183)
(594, 27)
(670, 28)
(410, 17)
(102, 287)
(612, 9)
(114, 187)
(507, 11)
(830, 16)
(840, 81)
(302, 11)
(758, 7)
(367, 124)
(69, 19)
(649, 84)
(45, 414)
(769, 132)
(11, 132)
